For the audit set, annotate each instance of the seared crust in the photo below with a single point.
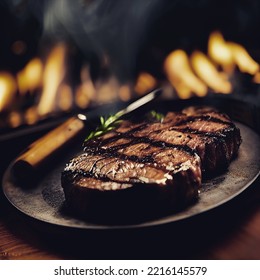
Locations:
(141, 170)
(107, 188)
(126, 203)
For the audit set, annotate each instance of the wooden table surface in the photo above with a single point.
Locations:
(231, 231)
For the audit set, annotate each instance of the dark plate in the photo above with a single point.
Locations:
(45, 201)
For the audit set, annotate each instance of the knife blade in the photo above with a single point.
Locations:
(39, 153)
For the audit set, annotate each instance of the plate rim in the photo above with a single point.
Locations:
(157, 222)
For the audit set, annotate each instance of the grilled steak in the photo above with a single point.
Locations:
(208, 132)
(147, 168)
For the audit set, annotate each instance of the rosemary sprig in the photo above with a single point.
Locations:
(157, 116)
(106, 124)
(111, 122)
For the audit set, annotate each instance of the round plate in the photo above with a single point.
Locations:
(45, 201)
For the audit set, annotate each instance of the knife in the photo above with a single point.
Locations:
(40, 152)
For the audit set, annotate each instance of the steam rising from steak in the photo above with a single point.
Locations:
(110, 31)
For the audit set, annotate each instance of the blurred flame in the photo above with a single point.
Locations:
(53, 75)
(219, 51)
(81, 96)
(124, 92)
(182, 89)
(256, 78)
(15, 119)
(65, 97)
(107, 91)
(189, 75)
(86, 91)
(31, 115)
(30, 78)
(144, 83)
(7, 90)
(227, 55)
(242, 59)
(208, 73)
(180, 74)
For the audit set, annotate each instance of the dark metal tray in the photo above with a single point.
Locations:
(45, 201)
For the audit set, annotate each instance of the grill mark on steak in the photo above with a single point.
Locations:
(148, 160)
(124, 171)
(151, 160)
(220, 134)
(134, 140)
(116, 135)
(81, 175)
(206, 118)
(222, 137)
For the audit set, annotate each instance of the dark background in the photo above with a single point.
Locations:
(133, 41)
(134, 34)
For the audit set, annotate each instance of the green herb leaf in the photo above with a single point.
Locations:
(111, 122)
(102, 120)
(157, 116)
(106, 124)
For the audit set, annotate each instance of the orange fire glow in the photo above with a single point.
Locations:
(15, 119)
(242, 59)
(180, 74)
(219, 51)
(53, 75)
(208, 73)
(86, 91)
(7, 90)
(196, 74)
(145, 82)
(30, 78)
(31, 115)
(229, 54)
(64, 97)
(124, 92)
(199, 73)
(107, 91)
(256, 78)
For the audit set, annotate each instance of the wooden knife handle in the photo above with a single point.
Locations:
(38, 153)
